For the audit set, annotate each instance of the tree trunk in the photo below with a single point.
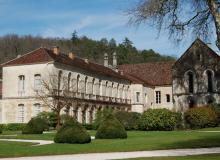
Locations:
(58, 120)
(213, 6)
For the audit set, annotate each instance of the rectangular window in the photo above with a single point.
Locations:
(158, 97)
(36, 109)
(21, 85)
(37, 82)
(146, 97)
(137, 97)
(168, 98)
(21, 113)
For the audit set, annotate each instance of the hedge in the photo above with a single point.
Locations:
(49, 117)
(201, 117)
(110, 128)
(100, 116)
(72, 132)
(128, 119)
(158, 120)
(13, 126)
(35, 126)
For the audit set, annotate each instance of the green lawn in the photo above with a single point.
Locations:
(200, 157)
(137, 140)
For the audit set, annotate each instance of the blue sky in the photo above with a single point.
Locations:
(93, 18)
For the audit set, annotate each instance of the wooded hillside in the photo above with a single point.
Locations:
(13, 45)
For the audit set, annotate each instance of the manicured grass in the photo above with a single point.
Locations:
(137, 140)
(200, 157)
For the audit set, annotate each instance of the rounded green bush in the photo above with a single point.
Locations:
(111, 128)
(128, 119)
(158, 120)
(72, 132)
(35, 126)
(201, 117)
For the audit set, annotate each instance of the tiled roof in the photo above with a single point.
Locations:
(153, 73)
(42, 55)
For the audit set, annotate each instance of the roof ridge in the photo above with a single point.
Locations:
(23, 55)
(171, 61)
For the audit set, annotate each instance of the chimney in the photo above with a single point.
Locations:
(114, 60)
(71, 55)
(56, 50)
(106, 60)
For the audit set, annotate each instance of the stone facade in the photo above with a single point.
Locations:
(196, 77)
(193, 80)
(95, 91)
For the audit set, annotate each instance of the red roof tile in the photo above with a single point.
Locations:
(43, 55)
(154, 73)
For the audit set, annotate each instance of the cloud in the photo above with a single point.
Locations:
(88, 24)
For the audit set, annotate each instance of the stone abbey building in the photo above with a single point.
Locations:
(193, 80)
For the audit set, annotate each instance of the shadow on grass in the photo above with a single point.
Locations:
(200, 142)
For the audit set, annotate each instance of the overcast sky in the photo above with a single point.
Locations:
(94, 18)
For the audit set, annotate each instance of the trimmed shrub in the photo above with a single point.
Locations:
(88, 126)
(179, 121)
(111, 128)
(100, 117)
(158, 120)
(1, 128)
(201, 117)
(72, 132)
(35, 126)
(216, 107)
(14, 126)
(49, 117)
(128, 119)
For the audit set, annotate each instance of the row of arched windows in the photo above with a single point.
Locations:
(81, 85)
(209, 78)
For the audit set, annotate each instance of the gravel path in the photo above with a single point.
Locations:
(122, 155)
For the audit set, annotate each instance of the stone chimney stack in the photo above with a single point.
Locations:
(71, 55)
(56, 50)
(114, 60)
(106, 60)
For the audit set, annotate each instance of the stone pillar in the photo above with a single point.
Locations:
(87, 112)
(94, 113)
(79, 116)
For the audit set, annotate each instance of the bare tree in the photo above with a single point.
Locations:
(200, 18)
(55, 94)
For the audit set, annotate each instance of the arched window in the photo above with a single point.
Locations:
(100, 87)
(93, 83)
(190, 82)
(21, 113)
(112, 90)
(123, 91)
(59, 80)
(36, 109)
(106, 88)
(37, 82)
(21, 85)
(210, 81)
(68, 81)
(117, 91)
(77, 83)
(86, 81)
